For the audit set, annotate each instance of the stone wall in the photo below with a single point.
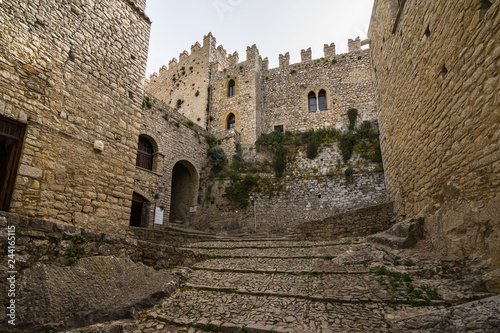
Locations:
(355, 223)
(244, 103)
(310, 190)
(347, 82)
(436, 70)
(175, 140)
(265, 98)
(187, 80)
(71, 73)
(116, 277)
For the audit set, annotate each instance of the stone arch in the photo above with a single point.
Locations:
(225, 121)
(184, 188)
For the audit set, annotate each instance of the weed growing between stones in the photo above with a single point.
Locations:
(352, 114)
(400, 284)
(78, 250)
(209, 327)
(146, 102)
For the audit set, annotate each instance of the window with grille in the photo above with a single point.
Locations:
(231, 88)
(312, 101)
(322, 100)
(231, 121)
(145, 154)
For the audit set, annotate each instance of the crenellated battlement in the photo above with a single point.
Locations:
(306, 55)
(354, 45)
(329, 51)
(220, 59)
(233, 59)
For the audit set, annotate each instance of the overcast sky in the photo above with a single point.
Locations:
(276, 26)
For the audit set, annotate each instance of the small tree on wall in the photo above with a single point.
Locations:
(352, 114)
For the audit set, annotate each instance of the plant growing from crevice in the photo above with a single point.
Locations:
(352, 114)
(78, 249)
(217, 157)
(347, 141)
(280, 161)
(312, 149)
(146, 102)
(348, 172)
(239, 190)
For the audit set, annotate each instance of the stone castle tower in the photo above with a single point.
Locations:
(244, 99)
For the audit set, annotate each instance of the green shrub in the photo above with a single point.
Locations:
(217, 158)
(349, 172)
(211, 140)
(146, 102)
(239, 190)
(280, 162)
(312, 149)
(271, 140)
(347, 141)
(352, 114)
(190, 123)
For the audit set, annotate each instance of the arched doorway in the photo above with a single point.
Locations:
(184, 188)
(139, 216)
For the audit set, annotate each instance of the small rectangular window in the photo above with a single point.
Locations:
(279, 128)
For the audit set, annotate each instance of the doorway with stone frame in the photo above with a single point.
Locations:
(11, 142)
(184, 192)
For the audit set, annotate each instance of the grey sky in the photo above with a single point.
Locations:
(276, 26)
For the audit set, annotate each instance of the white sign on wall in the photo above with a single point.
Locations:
(158, 215)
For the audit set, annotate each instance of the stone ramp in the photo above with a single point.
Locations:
(279, 285)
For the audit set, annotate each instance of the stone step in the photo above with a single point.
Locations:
(328, 251)
(279, 265)
(266, 244)
(360, 288)
(195, 308)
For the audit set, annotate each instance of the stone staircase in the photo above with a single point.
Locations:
(278, 284)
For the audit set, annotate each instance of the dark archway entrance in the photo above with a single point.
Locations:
(139, 216)
(184, 189)
(11, 139)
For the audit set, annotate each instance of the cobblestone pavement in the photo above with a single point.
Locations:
(284, 286)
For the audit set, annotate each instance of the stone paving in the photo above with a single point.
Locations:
(258, 285)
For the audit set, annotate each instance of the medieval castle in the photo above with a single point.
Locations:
(86, 141)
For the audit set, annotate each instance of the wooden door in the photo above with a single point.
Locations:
(11, 135)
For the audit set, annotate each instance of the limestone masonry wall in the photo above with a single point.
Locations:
(187, 80)
(72, 73)
(174, 141)
(355, 223)
(107, 276)
(265, 98)
(312, 190)
(347, 83)
(436, 65)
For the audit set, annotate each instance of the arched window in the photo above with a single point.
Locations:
(322, 100)
(179, 104)
(231, 121)
(145, 154)
(231, 88)
(312, 101)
